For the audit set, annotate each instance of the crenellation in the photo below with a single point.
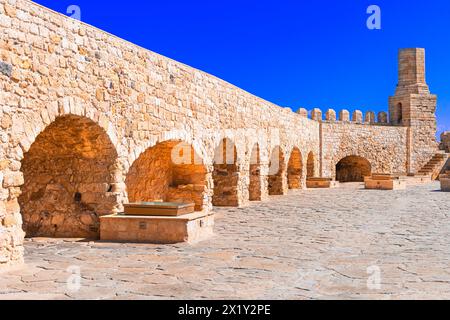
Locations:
(330, 115)
(344, 116)
(382, 117)
(303, 112)
(357, 116)
(316, 115)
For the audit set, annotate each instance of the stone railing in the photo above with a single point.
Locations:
(344, 116)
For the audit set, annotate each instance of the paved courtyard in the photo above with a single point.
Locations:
(319, 244)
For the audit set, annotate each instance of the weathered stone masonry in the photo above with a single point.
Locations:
(88, 122)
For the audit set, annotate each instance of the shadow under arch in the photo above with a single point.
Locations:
(225, 174)
(277, 172)
(295, 169)
(70, 173)
(311, 165)
(255, 192)
(353, 169)
(170, 171)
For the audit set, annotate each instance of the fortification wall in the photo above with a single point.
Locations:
(66, 88)
(52, 66)
(345, 133)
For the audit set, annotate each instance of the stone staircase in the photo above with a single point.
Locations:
(434, 167)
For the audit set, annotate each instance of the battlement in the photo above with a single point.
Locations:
(344, 116)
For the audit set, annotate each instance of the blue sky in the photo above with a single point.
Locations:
(293, 53)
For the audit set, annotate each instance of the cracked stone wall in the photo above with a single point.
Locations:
(52, 66)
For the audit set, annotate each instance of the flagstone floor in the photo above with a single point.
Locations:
(345, 243)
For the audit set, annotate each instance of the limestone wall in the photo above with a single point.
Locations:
(51, 66)
(122, 102)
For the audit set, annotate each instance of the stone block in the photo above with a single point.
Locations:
(370, 117)
(13, 179)
(303, 112)
(188, 228)
(445, 182)
(384, 182)
(316, 114)
(357, 116)
(321, 183)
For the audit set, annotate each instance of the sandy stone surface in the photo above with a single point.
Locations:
(311, 244)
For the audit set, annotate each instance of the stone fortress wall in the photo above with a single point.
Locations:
(90, 122)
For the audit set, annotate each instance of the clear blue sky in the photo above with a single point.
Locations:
(293, 53)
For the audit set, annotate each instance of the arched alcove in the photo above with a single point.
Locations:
(255, 175)
(352, 169)
(68, 171)
(294, 170)
(170, 171)
(225, 175)
(310, 166)
(277, 170)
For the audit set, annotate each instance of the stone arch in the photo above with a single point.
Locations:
(225, 174)
(353, 169)
(71, 178)
(255, 174)
(295, 169)
(170, 171)
(311, 165)
(277, 172)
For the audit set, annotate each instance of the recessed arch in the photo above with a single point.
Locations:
(311, 165)
(70, 173)
(225, 174)
(353, 169)
(295, 169)
(277, 170)
(255, 174)
(170, 171)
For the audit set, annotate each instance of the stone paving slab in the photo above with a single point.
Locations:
(310, 244)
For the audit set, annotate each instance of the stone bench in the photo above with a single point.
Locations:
(157, 222)
(313, 183)
(382, 181)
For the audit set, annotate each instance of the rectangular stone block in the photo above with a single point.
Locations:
(384, 184)
(188, 228)
(313, 183)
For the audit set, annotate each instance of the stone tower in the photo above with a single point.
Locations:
(414, 107)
